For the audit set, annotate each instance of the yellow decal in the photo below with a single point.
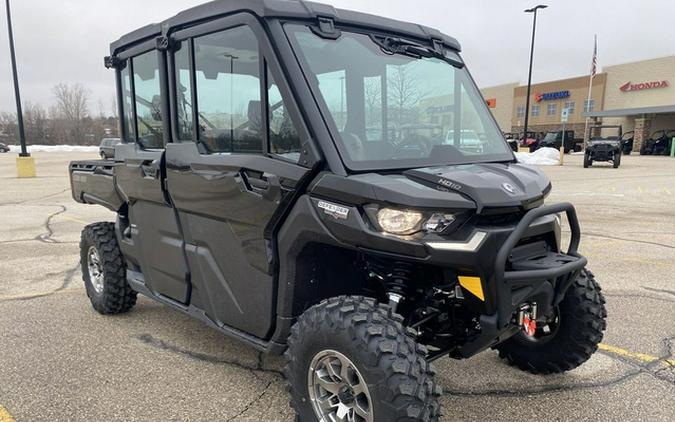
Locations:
(473, 285)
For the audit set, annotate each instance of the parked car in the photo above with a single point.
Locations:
(603, 148)
(4, 147)
(627, 142)
(658, 144)
(361, 261)
(107, 147)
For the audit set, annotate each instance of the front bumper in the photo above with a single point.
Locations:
(485, 250)
(546, 275)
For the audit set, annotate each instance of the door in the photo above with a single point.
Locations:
(152, 241)
(233, 165)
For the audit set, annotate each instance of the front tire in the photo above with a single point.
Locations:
(617, 160)
(575, 336)
(104, 270)
(587, 161)
(350, 358)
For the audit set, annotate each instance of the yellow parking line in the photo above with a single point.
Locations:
(77, 220)
(666, 190)
(5, 416)
(632, 355)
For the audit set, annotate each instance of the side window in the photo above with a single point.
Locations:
(227, 65)
(183, 91)
(148, 100)
(283, 136)
(127, 104)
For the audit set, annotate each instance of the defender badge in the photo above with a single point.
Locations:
(508, 188)
(335, 211)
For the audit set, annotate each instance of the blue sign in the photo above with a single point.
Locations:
(558, 95)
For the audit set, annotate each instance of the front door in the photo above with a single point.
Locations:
(233, 165)
(151, 239)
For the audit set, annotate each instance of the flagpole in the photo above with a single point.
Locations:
(590, 88)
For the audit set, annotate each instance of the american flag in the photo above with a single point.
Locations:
(594, 64)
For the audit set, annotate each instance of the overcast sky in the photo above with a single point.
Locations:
(65, 40)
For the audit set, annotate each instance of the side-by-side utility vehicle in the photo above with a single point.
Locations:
(602, 147)
(258, 188)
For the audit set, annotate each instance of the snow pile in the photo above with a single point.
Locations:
(541, 157)
(55, 148)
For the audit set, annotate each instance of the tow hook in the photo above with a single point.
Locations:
(527, 318)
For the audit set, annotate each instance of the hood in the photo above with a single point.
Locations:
(489, 185)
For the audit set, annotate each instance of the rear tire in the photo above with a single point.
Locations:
(356, 332)
(579, 330)
(617, 160)
(104, 270)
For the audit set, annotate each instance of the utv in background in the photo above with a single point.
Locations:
(658, 144)
(555, 140)
(512, 139)
(247, 197)
(627, 142)
(603, 148)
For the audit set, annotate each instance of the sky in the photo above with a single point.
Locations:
(65, 40)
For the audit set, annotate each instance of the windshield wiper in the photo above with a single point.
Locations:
(391, 45)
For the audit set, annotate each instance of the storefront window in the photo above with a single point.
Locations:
(551, 109)
(520, 111)
(535, 110)
(589, 105)
(569, 105)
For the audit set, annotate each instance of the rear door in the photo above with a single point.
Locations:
(151, 239)
(232, 167)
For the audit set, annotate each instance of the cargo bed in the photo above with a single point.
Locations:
(93, 182)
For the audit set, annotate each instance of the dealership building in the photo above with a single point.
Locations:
(639, 96)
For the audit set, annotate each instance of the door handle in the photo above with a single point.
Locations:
(260, 183)
(150, 169)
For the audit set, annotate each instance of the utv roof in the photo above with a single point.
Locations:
(288, 9)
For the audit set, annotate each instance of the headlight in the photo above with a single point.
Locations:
(405, 222)
(399, 221)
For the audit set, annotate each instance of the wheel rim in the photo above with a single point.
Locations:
(95, 269)
(337, 390)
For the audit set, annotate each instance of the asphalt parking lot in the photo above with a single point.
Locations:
(60, 360)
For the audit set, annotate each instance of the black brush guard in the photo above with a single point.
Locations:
(553, 266)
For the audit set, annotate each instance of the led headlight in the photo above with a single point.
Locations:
(439, 221)
(399, 221)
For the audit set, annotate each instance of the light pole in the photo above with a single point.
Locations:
(529, 75)
(25, 163)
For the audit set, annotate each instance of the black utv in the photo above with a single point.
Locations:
(659, 143)
(603, 148)
(259, 189)
(627, 140)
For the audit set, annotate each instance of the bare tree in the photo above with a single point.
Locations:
(373, 97)
(72, 106)
(113, 107)
(35, 121)
(403, 92)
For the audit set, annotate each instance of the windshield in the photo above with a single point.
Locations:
(398, 110)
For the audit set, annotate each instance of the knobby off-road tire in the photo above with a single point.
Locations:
(104, 271)
(581, 323)
(392, 366)
(617, 161)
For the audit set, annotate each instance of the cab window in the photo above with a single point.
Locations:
(147, 94)
(127, 104)
(283, 137)
(227, 76)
